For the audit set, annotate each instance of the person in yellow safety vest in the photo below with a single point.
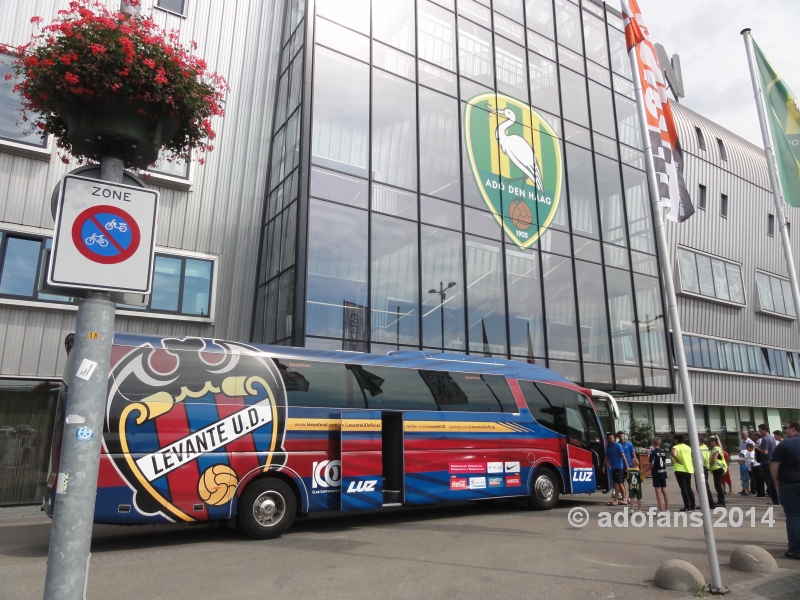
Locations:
(684, 469)
(704, 451)
(718, 468)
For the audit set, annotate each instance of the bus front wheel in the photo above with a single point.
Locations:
(266, 509)
(544, 490)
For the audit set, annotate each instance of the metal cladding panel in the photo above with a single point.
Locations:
(735, 390)
(740, 237)
(221, 213)
(32, 341)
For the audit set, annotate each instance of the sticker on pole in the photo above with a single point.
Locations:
(104, 237)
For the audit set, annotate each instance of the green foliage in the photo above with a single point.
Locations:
(640, 434)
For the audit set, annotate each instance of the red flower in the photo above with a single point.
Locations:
(8, 76)
(71, 78)
(36, 19)
(97, 49)
(149, 62)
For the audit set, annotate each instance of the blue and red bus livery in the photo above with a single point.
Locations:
(198, 430)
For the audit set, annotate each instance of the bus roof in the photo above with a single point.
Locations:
(413, 359)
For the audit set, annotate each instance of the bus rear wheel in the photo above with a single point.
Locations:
(266, 509)
(544, 490)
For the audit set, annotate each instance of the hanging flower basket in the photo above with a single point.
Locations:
(107, 83)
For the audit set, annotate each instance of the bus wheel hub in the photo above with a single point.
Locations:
(268, 508)
(544, 488)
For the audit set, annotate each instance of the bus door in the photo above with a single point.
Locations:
(582, 460)
(596, 446)
(362, 463)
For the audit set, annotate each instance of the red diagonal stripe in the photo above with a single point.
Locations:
(108, 235)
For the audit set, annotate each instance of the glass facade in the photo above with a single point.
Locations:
(462, 175)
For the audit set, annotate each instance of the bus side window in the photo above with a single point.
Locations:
(319, 384)
(576, 428)
(471, 392)
(545, 413)
(393, 388)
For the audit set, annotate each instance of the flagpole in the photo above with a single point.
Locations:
(716, 586)
(774, 182)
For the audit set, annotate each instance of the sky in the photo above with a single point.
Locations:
(705, 33)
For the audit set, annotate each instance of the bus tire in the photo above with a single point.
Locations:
(266, 509)
(544, 489)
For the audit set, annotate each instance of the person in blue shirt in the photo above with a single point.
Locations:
(627, 448)
(618, 463)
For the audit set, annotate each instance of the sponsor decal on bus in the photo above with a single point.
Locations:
(458, 483)
(494, 467)
(513, 481)
(362, 486)
(495, 482)
(327, 475)
(512, 467)
(186, 421)
(468, 467)
(582, 474)
(477, 483)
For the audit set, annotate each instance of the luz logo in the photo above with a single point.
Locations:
(362, 486)
(582, 474)
(327, 473)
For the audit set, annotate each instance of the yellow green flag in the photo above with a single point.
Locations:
(783, 113)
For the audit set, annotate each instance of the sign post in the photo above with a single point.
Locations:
(104, 242)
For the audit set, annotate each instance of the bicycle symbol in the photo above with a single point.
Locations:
(97, 238)
(112, 224)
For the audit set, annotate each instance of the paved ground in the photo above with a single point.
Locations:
(467, 551)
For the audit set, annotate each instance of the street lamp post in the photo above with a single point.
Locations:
(442, 296)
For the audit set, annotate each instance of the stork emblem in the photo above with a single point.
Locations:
(515, 158)
(517, 148)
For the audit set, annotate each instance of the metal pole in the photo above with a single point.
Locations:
(774, 182)
(73, 513)
(716, 586)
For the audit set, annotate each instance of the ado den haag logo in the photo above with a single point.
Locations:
(188, 422)
(516, 161)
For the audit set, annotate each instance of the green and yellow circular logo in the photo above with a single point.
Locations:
(516, 161)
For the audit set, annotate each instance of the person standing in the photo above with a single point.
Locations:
(750, 453)
(658, 458)
(745, 440)
(756, 473)
(765, 447)
(616, 461)
(744, 474)
(778, 435)
(718, 467)
(705, 454)
(727, 484)
(627, 448)
(684, 469)
(785, 470)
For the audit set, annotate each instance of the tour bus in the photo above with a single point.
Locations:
(200, 430)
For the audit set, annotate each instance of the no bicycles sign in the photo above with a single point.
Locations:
(105, 236)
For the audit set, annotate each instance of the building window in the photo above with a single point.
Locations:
(181, 285)
(701, 141)
(710, 277)
(12, 127)
(701, 200)
(175, 6)
(723, 205)
(723, 154)
(723, 355)
(771, 225)
(774, 295)
(178, 168)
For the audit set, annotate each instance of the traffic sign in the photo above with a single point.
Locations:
(105, 236)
